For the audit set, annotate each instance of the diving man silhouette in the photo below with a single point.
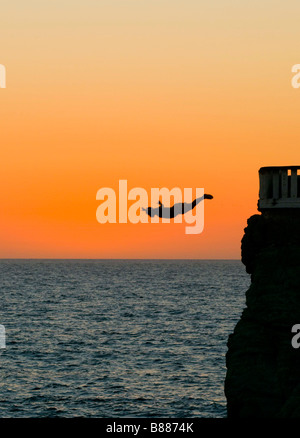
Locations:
(176, 209)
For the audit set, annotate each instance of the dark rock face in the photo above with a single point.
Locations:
(263, 369)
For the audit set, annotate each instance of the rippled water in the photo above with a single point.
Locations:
(117, 338)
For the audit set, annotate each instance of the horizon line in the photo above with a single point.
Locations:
(111, 258)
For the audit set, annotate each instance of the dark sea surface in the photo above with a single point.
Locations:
(117, 338)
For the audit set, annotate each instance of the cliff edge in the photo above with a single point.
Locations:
(263, 369)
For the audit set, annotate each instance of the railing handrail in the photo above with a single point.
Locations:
(279, 168)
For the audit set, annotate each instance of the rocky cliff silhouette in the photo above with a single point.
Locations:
(263, 369)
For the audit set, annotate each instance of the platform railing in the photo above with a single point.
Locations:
(279, 187)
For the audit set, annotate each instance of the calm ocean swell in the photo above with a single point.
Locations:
(95, 338)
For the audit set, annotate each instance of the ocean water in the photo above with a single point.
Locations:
(88, 338)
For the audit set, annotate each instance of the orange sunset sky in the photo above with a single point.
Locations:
(161, 93)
